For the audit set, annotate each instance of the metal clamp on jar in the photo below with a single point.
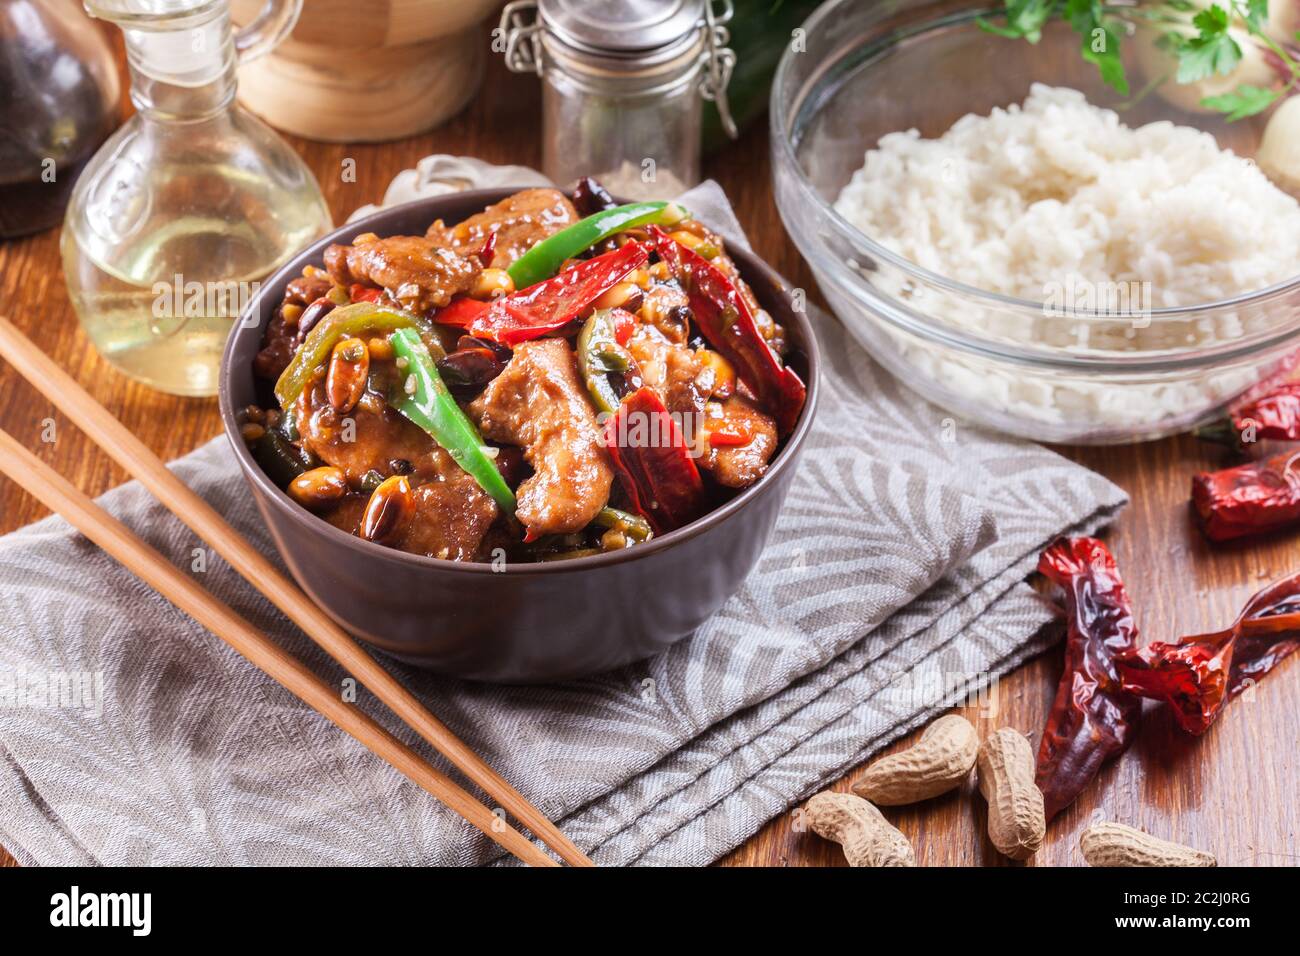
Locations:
(624, 85)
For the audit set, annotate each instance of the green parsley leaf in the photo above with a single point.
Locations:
(1245, 100)
(1211, 21)
(990, 27)
(1211, 51)
(1025, 18)
(1103, 50)
(1257, 14)
(1099, 44)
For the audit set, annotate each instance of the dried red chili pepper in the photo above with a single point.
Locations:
(1273, 416)
(1093, 718)
(547, 305)
(488, 250)
(1198, 675)
(651, 457)
(727, 323)
(1249, 499)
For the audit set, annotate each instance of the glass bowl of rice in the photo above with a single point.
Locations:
(1021, 244)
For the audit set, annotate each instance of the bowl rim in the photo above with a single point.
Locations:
(783, 146)
(749, 263)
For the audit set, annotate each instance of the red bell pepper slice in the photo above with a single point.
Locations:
(461, 312)
(362, 293)
(624, 326)
(729, 436)
(727, 323)
(548, 305)
(650, 455)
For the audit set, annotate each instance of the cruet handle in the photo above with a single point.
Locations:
(267, 30)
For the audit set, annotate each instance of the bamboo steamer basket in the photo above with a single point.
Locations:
(368, 72)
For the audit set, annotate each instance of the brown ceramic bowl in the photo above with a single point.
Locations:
(527, 623)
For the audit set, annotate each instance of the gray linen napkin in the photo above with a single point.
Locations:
(893, 586)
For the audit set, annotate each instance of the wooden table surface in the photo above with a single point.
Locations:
(1231, 791)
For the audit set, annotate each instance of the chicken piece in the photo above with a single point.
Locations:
(419, 273)
(451, 517)
(538, 403)
(739, 466)
(452, 513)
(366, 439)
(674, 371)
(520, 222)
(440, 528)
(307, 288)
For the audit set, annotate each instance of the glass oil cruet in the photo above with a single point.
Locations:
(192, 203)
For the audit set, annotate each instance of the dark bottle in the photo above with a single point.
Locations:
(58, 102)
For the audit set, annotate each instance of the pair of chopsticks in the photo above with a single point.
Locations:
(60, 496)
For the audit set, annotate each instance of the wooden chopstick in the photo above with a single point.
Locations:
(143, 465)
(59, 495)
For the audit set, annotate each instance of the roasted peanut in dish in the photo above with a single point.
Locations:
(538, 381)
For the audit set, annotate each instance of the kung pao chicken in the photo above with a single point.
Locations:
(546, 379)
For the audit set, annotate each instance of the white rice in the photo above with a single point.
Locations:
(1059, 194)
(1058, 190)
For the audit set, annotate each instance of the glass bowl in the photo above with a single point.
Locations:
(861, 70)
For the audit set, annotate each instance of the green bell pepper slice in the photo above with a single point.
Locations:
(431, 406)
(598, 355)
(281, 459)
(634, 526)
(340, 323)
(544, 259)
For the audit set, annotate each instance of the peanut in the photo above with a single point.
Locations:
(724, 378)
(1017, 823)
(380, 349)
(688, 239)
(939, 761)
(389, 511)
(348, 369)
(318, 487)
(492, 284)
(860, 829)
(251, 431)
(1113, 844)
(625, 295)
